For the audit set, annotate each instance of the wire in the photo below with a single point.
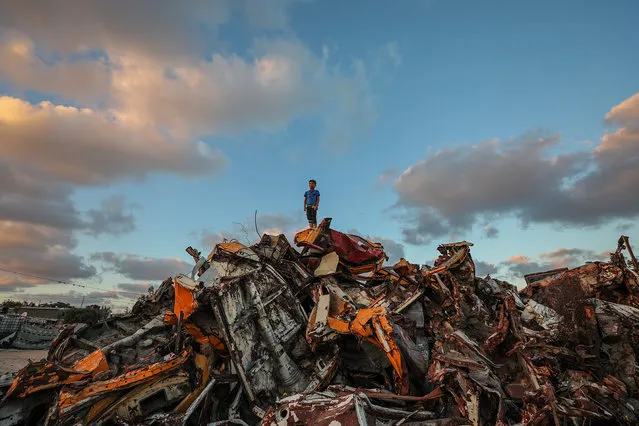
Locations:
(34, 276)
(257, 230)
(54, 297)
(68, 283)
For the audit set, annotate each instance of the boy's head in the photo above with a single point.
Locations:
(312, 183)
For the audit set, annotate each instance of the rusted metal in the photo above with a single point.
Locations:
(626, 242)
(135, 403)
(347, 408)
(265, 334)
(195, 404)
(538, 276)
(72, 399)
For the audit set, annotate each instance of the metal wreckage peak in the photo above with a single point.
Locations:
(328, 335)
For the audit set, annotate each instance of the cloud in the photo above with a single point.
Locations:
(85, 80)
(30, 196)
(27, 237)
(40, 250)
(102, 298)
(483, 269)
(624, 227)
(269, 14)
(56, 262)
(386, 59)
(490, 232)
(421, 226)
(158, 27)
(391, 50)
(626, 113)
(135, 288)
(426, 4)
(111, 218)
(393, 249)
(82, 146)
(530, 178)
(244, 232)
(520, 265)
(104, 295)
(209, 239)
(572, 257)
(139, 97)
(387, 176)
(281, 81)
(276, 223)
(38, 221)
(161, 27)
(142, 268)
(118, 91)
(12, 284)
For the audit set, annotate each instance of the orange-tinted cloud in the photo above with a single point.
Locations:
(84, 146)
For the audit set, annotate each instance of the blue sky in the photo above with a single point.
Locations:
(492, 112)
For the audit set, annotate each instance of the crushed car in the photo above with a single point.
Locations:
(269, 334)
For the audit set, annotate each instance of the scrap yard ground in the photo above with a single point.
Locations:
(12, 360)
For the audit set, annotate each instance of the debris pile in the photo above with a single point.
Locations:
(270, 335)
(21, 332)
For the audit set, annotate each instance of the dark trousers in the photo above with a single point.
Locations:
(311, 214)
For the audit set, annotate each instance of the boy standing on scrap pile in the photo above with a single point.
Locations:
(311, 203)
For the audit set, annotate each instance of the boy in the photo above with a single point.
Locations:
(311, 203)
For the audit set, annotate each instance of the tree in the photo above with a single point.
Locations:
(76, 315)
(11, 304)
(89, 315)
(57, 305)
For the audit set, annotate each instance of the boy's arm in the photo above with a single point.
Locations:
(317, 202)
(304, 202)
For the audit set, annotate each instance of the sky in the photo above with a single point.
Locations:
(131, 130)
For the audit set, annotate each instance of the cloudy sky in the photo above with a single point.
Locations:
(131, 130)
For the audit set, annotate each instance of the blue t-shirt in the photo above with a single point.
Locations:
(311, 197)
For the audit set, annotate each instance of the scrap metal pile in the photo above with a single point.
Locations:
(22, 332)
(270, 335)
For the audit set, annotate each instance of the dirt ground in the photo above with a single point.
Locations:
(12, 360)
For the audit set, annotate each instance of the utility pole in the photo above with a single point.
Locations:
(82, 303)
